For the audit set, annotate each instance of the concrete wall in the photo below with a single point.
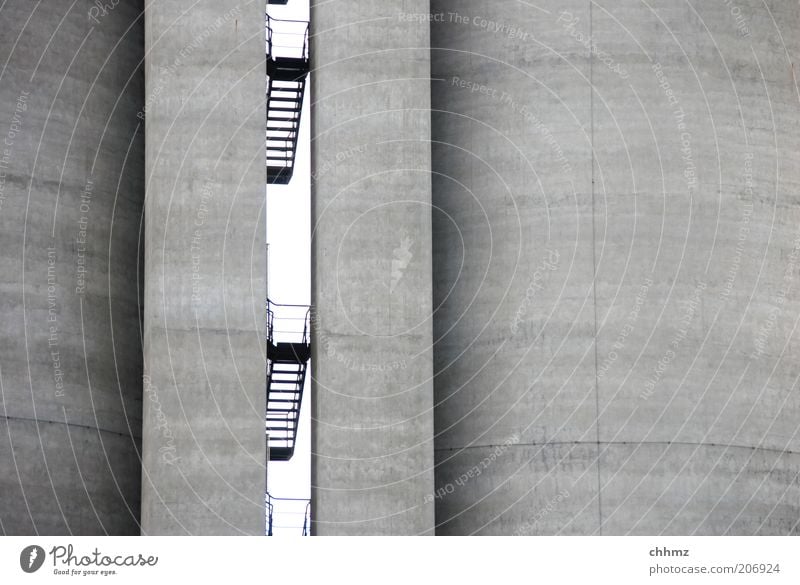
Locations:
(372, 420)
(71, 194)
(615, 267)
(205, 283)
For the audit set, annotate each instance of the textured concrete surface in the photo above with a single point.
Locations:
(71, 195)
(205, 284)
(615, 261)
(372, 419)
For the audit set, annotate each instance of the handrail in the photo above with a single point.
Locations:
(270, 510)
(274, 304)
(269, 499)
(270, 324)
(307, 519)
(271, 318)
(272, 18)
(305, 48)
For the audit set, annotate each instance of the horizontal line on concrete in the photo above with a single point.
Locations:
(681, 443)
(61, 422)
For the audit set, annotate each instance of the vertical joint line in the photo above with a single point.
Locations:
(594, 270)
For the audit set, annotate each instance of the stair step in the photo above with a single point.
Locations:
(273, 98)
(278, 178)
(281, 118)
(280, 454)
(284, 65)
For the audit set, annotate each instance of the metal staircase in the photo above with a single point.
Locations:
(287, 70)
(287, 362)
(288, 331)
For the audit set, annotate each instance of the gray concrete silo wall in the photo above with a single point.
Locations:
(71, 195)
(204, 439)
(372, 418)
(616, 249)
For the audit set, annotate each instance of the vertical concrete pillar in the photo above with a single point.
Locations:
(205, 282)
(71, 194)
(372, 427)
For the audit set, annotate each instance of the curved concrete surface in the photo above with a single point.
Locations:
(71, 195)
(615, 267)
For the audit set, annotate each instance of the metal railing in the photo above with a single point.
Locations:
(288, 322)
(270, 501)
(307, 520)
(288, 334)
(287, 38)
